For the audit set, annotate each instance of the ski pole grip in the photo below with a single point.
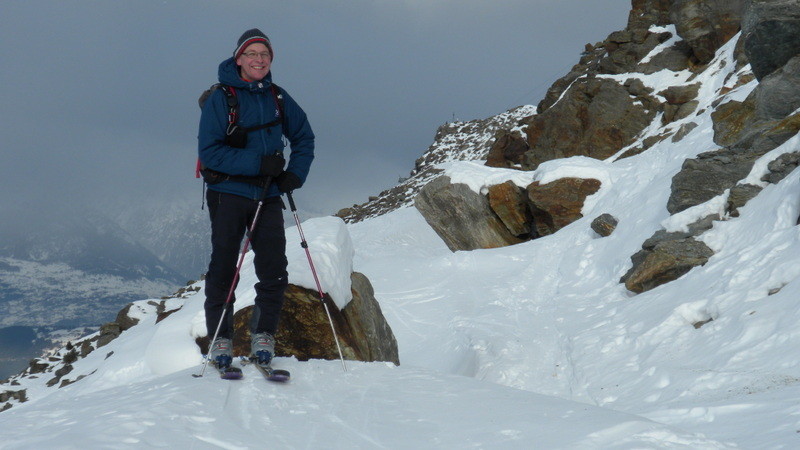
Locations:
(291, 201)
(267, 183)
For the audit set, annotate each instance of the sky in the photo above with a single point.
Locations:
(99, 98)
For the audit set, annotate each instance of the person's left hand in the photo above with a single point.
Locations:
(287, 181)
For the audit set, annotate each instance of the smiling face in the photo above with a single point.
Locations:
(254, 62)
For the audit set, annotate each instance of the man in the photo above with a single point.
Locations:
(241, 149)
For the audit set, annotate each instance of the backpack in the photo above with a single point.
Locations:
(236, 136)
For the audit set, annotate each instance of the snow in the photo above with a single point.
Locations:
(331, 253)
(536, 345)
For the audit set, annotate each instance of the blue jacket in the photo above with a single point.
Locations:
(256, 107)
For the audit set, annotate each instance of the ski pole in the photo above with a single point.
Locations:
(304, 244)
(249, 235)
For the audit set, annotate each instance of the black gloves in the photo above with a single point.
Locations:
(271, 165)
(287, 181)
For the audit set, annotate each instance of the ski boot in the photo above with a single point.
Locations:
(262, 348)
(221, 352)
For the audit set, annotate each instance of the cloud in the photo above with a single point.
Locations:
(99, 98)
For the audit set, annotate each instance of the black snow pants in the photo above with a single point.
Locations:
(231, 215)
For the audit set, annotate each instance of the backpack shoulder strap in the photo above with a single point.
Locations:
(277, 93)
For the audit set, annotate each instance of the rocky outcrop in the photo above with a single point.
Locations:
(507, 215)
(708, 175)
(455, 141)
(771, 33)
(508, 150)
(305, 332)
(765, 120)
(462, 218)
(706, 24)
(747, 130)
(557, 204)
(596, 117)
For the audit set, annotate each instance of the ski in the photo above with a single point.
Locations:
(271, 374)
(229, 373)
(277, 375)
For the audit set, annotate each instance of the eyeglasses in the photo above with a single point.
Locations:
(256, 55)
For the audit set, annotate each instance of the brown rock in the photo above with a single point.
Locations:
(604, 224)
(731, 121)
(596, 118)
(508, 202)
(668, 261)
(559, 203)
(678, 95)
(462, 218)
(125, 321)
(706, 24)
(305, 332)
(508, 150)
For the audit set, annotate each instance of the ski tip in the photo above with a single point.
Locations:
(230, 373)
(280, 375)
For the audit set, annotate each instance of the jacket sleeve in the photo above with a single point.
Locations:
(211, 147)
(301, 138)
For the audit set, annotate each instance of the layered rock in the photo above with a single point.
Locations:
(771, 32)
(706, 24)
(596, 117)
(466, 220)
(765, 120)
(665, 261)
(462, 218)
(559, 203)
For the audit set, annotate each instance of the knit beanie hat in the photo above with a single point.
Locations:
(251, 37)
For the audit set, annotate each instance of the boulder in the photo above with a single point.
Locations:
(778, 94)
(604, 224)
(508, 201)
(739, 196)
(108, 332)
(678, 95)
(124, 320)
(707, 176)
(771, 34)
(706, 24)
(596, 118)
(508, 149)
(666, 255)
(305, 332)
(668, 261)
(462, 218)
(781, 167)
(559, 203)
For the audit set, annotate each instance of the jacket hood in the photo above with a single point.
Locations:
(228, 73)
